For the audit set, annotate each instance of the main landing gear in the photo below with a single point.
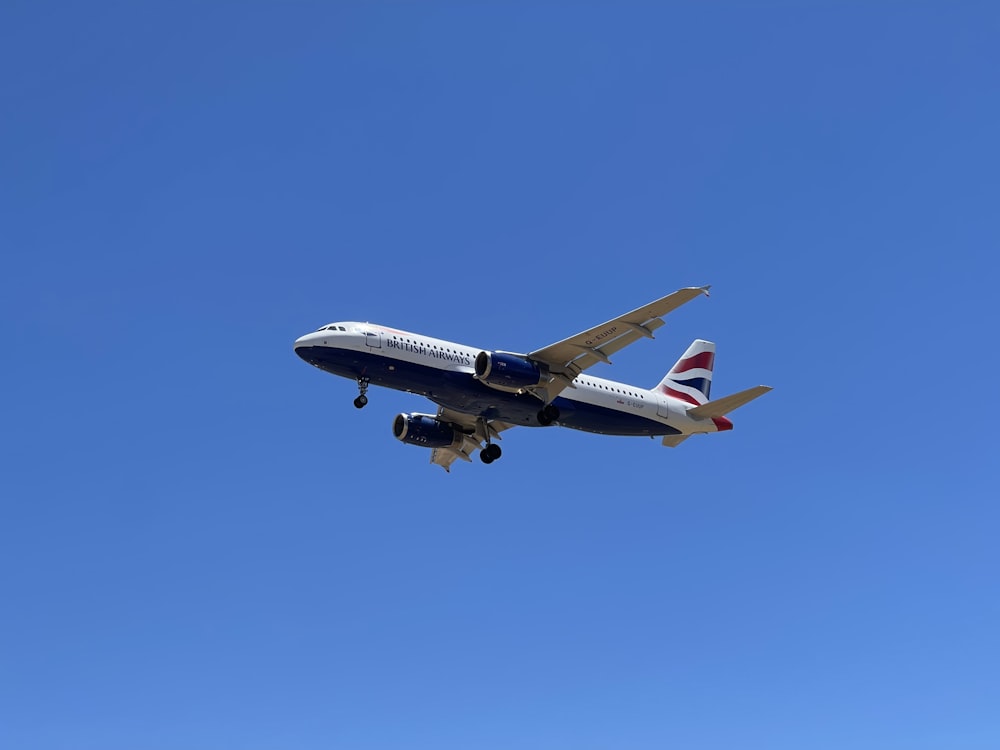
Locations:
(548, 415)
(362, 400)
(491, 451)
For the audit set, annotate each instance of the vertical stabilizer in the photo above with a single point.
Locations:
(690, 379)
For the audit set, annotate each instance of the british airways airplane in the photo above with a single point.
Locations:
(480, 393)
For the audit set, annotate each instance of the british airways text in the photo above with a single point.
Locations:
(420, 349)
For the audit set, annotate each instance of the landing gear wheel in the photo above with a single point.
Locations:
(548, 415)
(361, 401)
(493, 451)
(485, 457)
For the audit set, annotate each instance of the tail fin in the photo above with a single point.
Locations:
(690, 379)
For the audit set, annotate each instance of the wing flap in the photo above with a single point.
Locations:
(589, 356)
(473, 436)
(445, 457)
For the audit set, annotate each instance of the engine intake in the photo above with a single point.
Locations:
(423, 429)
(508, 372)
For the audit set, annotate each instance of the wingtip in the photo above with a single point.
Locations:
(699, 289)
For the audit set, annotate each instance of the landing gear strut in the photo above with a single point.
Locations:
(362, 398)
(548, 415)
(491, 451)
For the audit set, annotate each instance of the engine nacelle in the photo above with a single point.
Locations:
(508, 372)
(423, 429)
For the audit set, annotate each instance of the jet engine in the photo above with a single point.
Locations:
(508, 372)
(423, 429)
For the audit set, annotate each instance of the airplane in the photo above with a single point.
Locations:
(481, 392)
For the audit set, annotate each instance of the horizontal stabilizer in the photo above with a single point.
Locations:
(672, 441)
(722, 406)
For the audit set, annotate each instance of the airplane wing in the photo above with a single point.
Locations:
(568, 358)
(475, 436)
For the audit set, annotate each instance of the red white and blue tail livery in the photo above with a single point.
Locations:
(690, 379)
(481, 392)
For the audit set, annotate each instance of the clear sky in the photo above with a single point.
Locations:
(203, 544)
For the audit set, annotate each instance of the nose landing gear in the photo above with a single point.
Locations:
(362, 400)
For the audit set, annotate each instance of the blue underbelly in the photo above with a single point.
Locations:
(461, 392)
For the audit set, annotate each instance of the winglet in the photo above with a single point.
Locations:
(704, 289)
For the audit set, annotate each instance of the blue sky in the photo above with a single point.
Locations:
(203, 544)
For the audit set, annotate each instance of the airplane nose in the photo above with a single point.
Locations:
(310, 339)
(305, 347)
